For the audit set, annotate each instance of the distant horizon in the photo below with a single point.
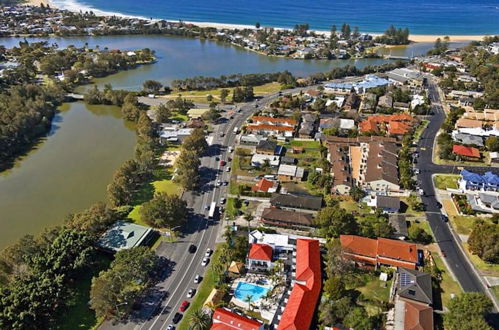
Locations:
(423, 17)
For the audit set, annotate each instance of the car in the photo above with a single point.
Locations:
(183, 306)
(444, 218)
(222, 200)
(219, 183)
(191, 293)
(206, 207)
(416, 170)
(192, 248)
(227, 169)
(198, 279)
(217, 158)
(443, 254)
(226, 183)
(421, 192)
(230, 149)
(439, 205)
(222, 134)
(177, 318)
(256, 105)
(208, 252)
(170, 327)
(205, 261)
(222, 163)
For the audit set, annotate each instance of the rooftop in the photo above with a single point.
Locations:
(260, 252)
(123, 235)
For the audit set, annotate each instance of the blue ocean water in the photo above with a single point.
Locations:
(458, 17)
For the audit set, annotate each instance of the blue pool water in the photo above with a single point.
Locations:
(245, 289)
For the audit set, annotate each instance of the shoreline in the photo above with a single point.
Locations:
(76, 7)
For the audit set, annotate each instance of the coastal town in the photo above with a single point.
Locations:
(355, 198)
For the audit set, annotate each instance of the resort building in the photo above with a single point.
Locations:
(259, 258)
(303, 299)
(369, 252)
(224, 319)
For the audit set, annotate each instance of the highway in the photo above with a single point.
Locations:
(164, 299)
(454, 256)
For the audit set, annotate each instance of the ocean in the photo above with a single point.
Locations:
(439, 17)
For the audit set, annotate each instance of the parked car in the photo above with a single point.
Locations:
(191, 293)
(439, 205)
(421, 192)
(197, 279)
(177, 318)
(219, 183)
(183, 306)
(222, 200)
(170, 327)
(222, 163)
(444, 218)
(192, 248)
(208, 253)
(227, 169)
(205, 261)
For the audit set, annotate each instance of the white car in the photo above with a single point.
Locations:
(205, 261)
(170, 327)
(421, 192)
(208, 252)
(222, 200)
(227, 169)
(219, 183)
(191, 293)
(197, 279)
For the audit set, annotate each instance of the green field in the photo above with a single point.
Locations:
(448, 285)
(443, 181)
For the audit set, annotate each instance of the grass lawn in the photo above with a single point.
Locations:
(485, 160)
(495, 290)
(485, 267)
(375, 292)
(448, 286)
(443, 181)
(353, 206)
(463, 224)
(231, 210)
(202, 294)
(201, 96)
(409, 209)
(79, 315)
(167, 186)
(423, 224)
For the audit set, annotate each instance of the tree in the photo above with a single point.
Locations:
(248, 217)
(196, 142)
(357, 193)
(484, 241)
(468, 310)
(164, 210)
(357, 319)
(492, 143)
(199, 320)
(152, 86)
(334, 287)
(418, 234)
(187, 166)
(94, 220)
(223, 95)
(115, 290)
(334, 221)
(163, 113)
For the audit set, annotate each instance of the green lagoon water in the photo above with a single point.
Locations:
(70, 169)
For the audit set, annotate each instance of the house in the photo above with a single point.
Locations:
(288, 160)
(413, 300)
(401, 106)
(369, 252)
(485, 202)
(196, 113)
(385, 203)
(296, 202)
(379, 167)
(266, 147)
(174, 134)
(399, 224)
(404, 76)
(259, 257)
(307, 126)
(385, 101)
(287, 173)
(474, 181)
(467, 139)
(124, 235)
(251, 139)
(225, 319)
(265, 186)
(273, 130)
(394, 125)
(265, 120)
(466, 152)
(258, 160)
(285, 218)
(341, 171)
(494, 157)
(346, 125)
(352, 102)
(307, 282)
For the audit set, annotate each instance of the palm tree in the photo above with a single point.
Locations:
(248, 299)
(248, 217)
(199, 320)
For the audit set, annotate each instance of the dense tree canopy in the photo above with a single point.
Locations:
(484, 241)
(164, 211)
(467, 311)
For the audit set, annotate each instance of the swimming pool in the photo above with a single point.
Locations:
(245, 289)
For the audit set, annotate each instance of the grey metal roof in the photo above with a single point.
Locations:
(414, 285)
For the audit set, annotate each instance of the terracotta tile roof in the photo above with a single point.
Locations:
(398, 124)
(466, 151)
(265, 127)
(260, 252)
(263, 185)
(303, 299)
(225, 319)
(274, 120)
(381, 250)
(468, 123)
(418, 317)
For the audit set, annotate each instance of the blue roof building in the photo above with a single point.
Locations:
(370, 81)
(474, 181)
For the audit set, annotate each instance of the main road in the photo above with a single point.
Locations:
(163, 301)
(455, 258)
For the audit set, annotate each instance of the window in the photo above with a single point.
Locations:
(412, 292)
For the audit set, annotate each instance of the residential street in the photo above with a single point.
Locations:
(455, 258)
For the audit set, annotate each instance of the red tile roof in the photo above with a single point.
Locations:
(418, 317)
(398, 124)
(466, 151)
(260, 252)
(263, 185)
(225, 319)
(265, 127)
(381, 250)
(303, 299)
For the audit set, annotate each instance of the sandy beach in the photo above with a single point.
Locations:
(412, 37)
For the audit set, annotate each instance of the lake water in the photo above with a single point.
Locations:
(71, 168)
(458, 17)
